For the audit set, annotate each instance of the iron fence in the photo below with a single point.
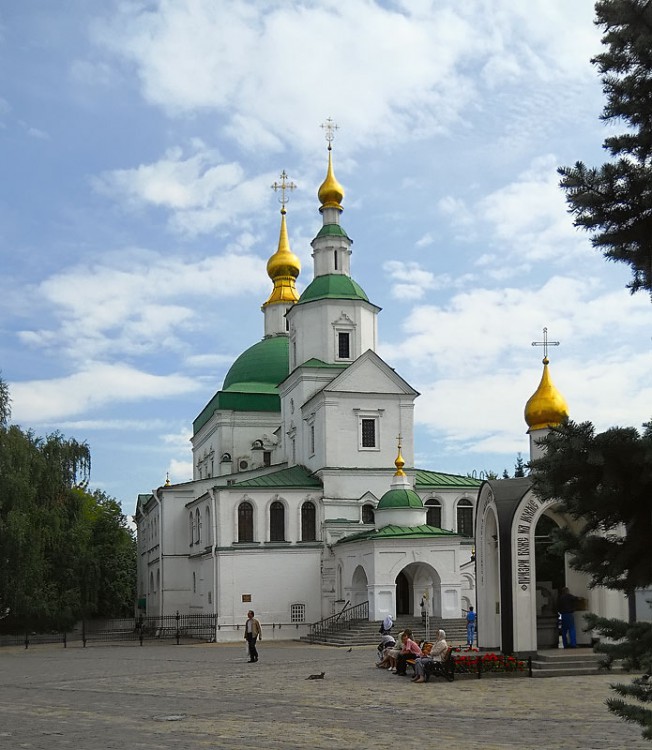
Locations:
(177, 627)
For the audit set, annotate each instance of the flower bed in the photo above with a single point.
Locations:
(476, 663)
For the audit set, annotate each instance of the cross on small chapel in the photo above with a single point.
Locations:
(329, 128)
(283, 185)
(545, 343)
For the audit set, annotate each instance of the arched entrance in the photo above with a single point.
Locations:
(403, 595)
(550, 579)
(420, 582)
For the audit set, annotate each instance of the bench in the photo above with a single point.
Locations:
(444, 668)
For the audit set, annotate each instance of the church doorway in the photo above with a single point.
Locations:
(403, 595)
(550, 579)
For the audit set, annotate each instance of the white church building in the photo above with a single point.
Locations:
(299, 505)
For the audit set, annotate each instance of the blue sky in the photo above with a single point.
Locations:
(139, 141)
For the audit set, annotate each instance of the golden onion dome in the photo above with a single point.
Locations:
(330, 193)
(546, 407)
(283, 268)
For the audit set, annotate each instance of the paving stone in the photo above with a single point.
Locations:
(192, 697)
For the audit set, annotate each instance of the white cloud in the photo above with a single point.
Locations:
(136, 302)
(180, 471)
(197, 186)
(409, 73)
(411, 280)
(99, 384)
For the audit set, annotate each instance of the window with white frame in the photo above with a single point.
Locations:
(344, 341)
(297, 612)
(198, 526)
(368, 429)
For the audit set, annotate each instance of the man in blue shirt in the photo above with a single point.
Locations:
(470, 627)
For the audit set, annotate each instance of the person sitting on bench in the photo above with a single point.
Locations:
(437, 653)
(410, 650)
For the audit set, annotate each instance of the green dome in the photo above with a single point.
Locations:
(332, 286)
(260, 368)
(399, 498)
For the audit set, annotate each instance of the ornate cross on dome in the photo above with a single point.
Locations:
(283, 185)
(329, 128)
(545, 343)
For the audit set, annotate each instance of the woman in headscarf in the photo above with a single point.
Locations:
(437, 653)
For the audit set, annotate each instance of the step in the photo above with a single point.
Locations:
(566, 672)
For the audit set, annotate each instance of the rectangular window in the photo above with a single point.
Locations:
(368, 427)
(297, 612)
(312, 439)
(344, 345)
(267, 458)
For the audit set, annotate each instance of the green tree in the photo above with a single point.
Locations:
(519, 466)
(604, 480)
(64, 552)
(614, 201)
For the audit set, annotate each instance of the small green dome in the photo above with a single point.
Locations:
(332, 286)
(399, 498)
(260, 368)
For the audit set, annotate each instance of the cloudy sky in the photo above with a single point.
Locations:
(139, 140)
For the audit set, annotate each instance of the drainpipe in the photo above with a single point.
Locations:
(211, 492)
(157, 497)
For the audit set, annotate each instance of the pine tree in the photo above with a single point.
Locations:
(519, 466)
(614, 201)
(605, 480)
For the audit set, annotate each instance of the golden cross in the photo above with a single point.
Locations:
(545, 343)
(329, 128)
(283, 185)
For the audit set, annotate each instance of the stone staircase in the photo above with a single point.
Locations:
(567, 662)
(365, 632)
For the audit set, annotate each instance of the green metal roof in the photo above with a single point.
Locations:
(427, 479)
(400, 498)
(320, 364)
(295, 476)
(332, 286)
(332, 230)
(398, 532)
(260, 368)
(251, 382)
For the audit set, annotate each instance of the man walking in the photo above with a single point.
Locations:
(252, 631)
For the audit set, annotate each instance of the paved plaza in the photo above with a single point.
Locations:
(187, 697)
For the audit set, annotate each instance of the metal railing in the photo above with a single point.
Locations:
(177, 627)
(341, 621)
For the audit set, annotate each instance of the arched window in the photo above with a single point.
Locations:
(198, 525)
(433, 517)
(465, 518)
(245, 522)
(191, 529)
(368, 515)
(308, 522)
(277, 522)
(151, 581)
